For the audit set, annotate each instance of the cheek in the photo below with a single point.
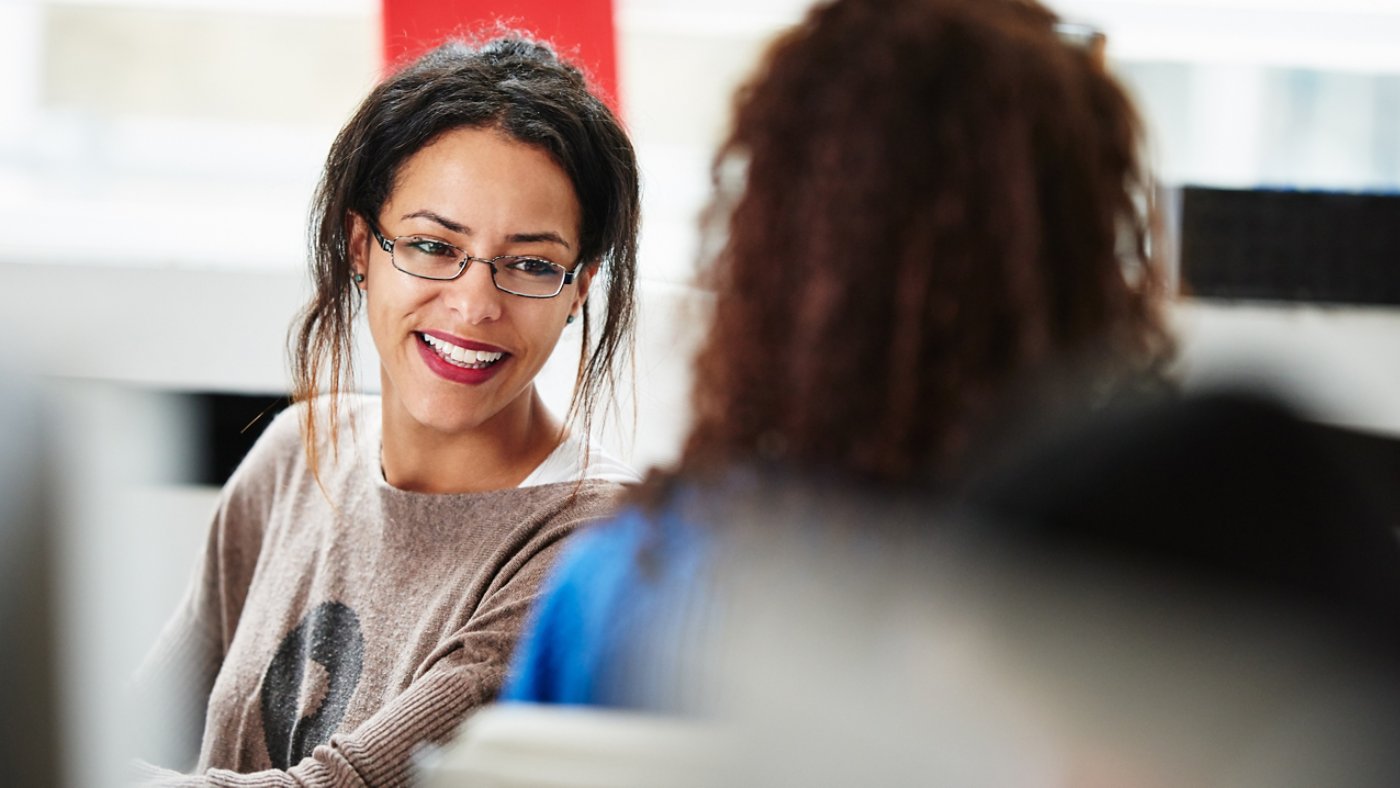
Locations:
(393, 297)
(547, 325)
(377, 321)
(390, 308)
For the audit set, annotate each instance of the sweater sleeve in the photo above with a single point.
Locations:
(465, 672)
(176, 676)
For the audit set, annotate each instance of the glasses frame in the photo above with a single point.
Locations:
(387, 244)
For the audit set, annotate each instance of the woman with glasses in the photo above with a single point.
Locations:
(923, 211)
(371, 560)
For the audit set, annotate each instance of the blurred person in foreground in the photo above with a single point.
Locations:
(930, 223)
(372, 559)
(1184, 593)
(928, 214)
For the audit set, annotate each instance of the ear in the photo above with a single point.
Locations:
(581, 285)
(359, 246)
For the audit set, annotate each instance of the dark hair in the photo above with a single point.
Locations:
(919, 204)
(521, 88)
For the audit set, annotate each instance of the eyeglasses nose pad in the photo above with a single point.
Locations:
(478, 262)
(474, 296)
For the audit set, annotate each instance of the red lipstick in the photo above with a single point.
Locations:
(457, 374)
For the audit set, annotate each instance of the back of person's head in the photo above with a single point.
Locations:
(919, 205)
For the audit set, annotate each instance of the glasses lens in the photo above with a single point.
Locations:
(427, 257)
(529, 276)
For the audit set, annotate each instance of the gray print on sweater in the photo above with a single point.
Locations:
(300, 711)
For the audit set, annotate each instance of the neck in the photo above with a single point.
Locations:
(495, 456)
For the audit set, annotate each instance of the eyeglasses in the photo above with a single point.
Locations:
(429, 258)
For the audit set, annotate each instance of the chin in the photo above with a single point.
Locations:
(450, 418)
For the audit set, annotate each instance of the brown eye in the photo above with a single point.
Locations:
(431, 247)
(533, 266)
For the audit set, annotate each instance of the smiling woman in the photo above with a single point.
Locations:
(372, 559)
(476, 189)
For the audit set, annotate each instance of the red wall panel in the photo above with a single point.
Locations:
(582, 30)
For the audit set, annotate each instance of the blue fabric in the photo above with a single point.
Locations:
(601, 631)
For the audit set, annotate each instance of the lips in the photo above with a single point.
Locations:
(464, 357)
(460, 360)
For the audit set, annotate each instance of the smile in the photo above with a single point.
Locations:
(460, 356)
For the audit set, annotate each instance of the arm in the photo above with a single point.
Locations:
(172, 685)
(463, 673)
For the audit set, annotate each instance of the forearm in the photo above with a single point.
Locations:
(169, 694)
(379, 752)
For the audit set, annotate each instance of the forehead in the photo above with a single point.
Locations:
(489, 182)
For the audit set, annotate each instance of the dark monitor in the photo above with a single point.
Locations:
(1290, 246)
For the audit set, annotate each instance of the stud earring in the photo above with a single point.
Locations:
(569, 319)
(359, 278)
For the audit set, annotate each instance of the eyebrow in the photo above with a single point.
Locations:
(544, 236)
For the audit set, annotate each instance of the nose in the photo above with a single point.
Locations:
(474, 295)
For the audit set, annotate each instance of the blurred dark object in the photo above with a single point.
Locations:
(1378, 457)
(227, 426)
(1296, 246)
(29, 715)
(1228, 489)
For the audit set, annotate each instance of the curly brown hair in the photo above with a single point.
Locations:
(934, 200)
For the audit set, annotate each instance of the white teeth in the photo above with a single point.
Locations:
(460, 356)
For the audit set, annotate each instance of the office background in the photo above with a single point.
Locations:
(157, 159)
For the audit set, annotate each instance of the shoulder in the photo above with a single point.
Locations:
(273, 455)
(339, 422)
(284, 433)
(623, 533)
(634, 545)
(571, 503)
(594, 603)
(338, 425)
(279, 460)
(517, 529)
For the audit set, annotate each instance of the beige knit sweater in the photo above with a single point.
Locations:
(335, 634)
